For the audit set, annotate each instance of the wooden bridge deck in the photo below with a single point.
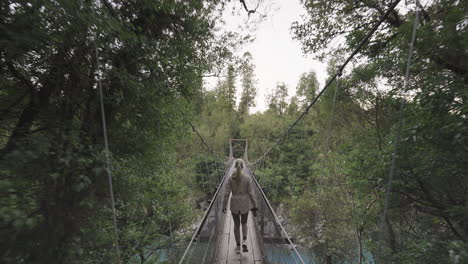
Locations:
(227, 244)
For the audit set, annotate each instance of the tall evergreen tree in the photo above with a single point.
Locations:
(227, 88)
(307, 87)
(277, 99)
(248, 81)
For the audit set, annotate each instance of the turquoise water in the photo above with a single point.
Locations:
(283, 254)
(276, 254)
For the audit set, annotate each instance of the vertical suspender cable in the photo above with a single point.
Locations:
(332, 79)
(330, 121)
(166, 182)
(398, 131)
(218, 179)
(203, 177)
(106, 148)
(212, 179)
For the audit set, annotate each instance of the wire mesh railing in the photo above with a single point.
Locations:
(273, 239)
(274, 242)
(203, 245)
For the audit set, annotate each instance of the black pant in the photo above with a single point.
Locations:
(240, 218)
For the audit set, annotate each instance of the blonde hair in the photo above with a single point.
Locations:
(239, 162)
(239, 165)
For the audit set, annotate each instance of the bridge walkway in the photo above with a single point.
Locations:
(227, 243)
(214, 242)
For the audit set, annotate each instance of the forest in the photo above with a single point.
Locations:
(327, 180)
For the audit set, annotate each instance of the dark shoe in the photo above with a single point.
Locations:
(244, 247)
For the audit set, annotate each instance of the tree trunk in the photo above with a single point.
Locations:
(358, 237)
(22, 127)
(391, 234)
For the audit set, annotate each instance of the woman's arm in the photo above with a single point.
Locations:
(227, 192)
(252, 194)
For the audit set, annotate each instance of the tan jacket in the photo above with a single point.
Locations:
(242, 189)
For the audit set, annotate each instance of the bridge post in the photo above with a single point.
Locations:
(231, 148)
(246, 158)
(262, 221)
(231, 154)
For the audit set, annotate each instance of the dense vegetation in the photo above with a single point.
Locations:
(328, 178)
(55, 205)
(330, 175)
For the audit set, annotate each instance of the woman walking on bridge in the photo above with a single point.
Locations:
(241, 187)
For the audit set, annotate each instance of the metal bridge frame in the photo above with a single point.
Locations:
(231, 152)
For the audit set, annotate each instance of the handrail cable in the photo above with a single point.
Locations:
(330, 81)
(167, 201)
(204, 218)
(204, 142)
(215, 155)
(106, 150)
(275, 217)
(399, 128)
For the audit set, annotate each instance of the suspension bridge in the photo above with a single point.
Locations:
(213, 241)
(267, 240)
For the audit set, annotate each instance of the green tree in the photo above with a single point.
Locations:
(227, 88)
(277, 99)
(438, 73)
(249, 91)
(55, 199)
(307, 87)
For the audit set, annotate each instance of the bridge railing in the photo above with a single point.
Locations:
(275, 242)
(203, 245)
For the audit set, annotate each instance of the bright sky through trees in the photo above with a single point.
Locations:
(276, 56)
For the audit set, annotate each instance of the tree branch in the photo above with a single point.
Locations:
(20, 77)
(249, 11)
(17, 101)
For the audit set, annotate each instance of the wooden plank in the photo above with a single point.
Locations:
(226, 252)
(257, 252)
(223, 246)
(221, 257)
(233, 257)
(248, 257)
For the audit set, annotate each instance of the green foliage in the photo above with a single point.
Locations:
(277, 100)
(248, 81)
(54, 189)
(307, 87)
(330, 173)
(427, 206)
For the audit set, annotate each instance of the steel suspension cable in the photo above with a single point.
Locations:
(399, 128)
(215, 156)
(210, 176)
(218, 176)
(203, 177)
(330, 121)
(106, 150)
(275, 218)
(166, 182)
(204, 141)
(332, 79)
(189, 248)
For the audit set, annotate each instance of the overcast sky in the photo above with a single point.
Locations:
(276, 55)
